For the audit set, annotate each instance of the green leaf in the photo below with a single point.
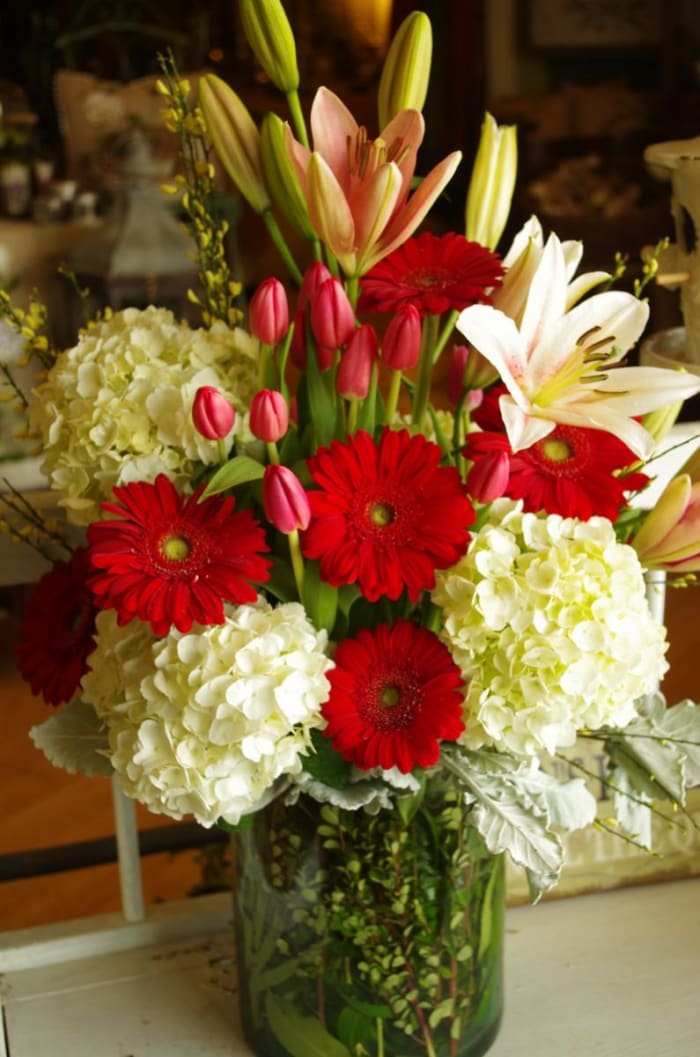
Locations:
(353, 1027)
(322, 402)
(75, 740)
(281, 584)
(239, 470)
(325, 764)
(300, 1036)
(320, 598)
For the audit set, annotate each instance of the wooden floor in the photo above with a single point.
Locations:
(42, 806)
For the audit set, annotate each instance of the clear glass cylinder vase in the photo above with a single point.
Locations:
(368, 935)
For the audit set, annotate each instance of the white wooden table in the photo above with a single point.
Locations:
(608, 975)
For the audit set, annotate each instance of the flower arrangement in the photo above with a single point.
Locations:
(303, 578)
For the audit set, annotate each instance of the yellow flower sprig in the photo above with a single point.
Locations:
(31, 325)
(197, 185)
(28, 525)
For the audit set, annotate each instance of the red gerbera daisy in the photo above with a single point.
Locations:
(573, 471)
(386, 514)
(58, 631)
(170, 559)
(395, 693)
(433, 272)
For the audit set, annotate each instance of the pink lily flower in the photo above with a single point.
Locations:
(559, 363)
(670, 535)
(357, 189)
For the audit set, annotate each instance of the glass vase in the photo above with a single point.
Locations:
(368, 935)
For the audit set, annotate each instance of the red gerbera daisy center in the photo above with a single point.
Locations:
(429, 278)
(556, 450)
(175, 548)
(391, 702)
(381, 514)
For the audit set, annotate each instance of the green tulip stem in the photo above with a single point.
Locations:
(445, 333)
(223, 453)
(297, 562)
(353, 409)
(425, 369)
(297, 116)
(279, 241)
(352, 289)
(263, 361)
(272, 453)
(392, 399)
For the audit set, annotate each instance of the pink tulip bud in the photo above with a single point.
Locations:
(269, 417)
(355, 370)
(401, 344)
(285, 501)
(324, 358)
(459, 354)
(332, 317)
(314, 278)
(268, 313)
(488, 478)
(213, 415)
(467, 369)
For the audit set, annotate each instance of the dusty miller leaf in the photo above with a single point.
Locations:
(567, 805)
(75, 740)
(652, 753)
(504, 821)
(632, 809)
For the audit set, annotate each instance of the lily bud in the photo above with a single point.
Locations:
(268, 314)
(406, 71)
(492, 183)
(332, 316)
(660, 422)
(401, 344)
(670, 535)
(467, 369)
(236, 139)
(269, 34)
(213, 415)
(355, 370)
(488, 478)
(284, 499)
(269, 416)
(281, 177)
(314, 278)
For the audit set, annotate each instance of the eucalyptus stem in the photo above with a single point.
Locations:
(380, 1037)
(281, 244)
(425, 369)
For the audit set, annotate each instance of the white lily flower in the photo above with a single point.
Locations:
(521, 262)
(555, 363)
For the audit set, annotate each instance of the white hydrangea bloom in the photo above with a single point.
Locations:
(205, 723)
(548, 620)
(117, 406)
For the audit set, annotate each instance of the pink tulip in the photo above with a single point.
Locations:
(285, 501)
(355, 370)
(670, 535)
(357, 189)
(269, 417)
(467, 369)
(213, 415)
(314, 278)
(488, 478)
(401, 344)
(332, 316)
(269, 312)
